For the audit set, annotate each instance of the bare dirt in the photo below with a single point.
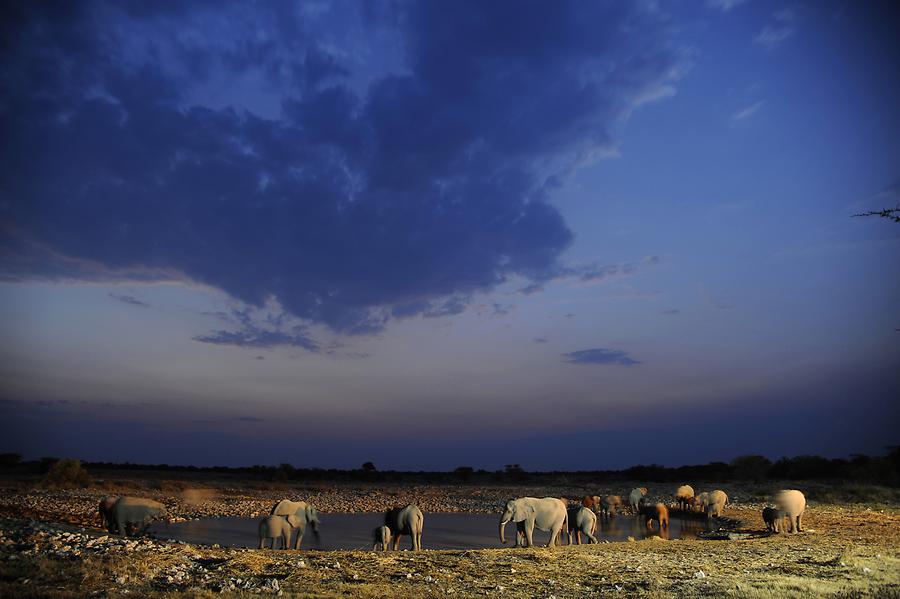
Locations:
(50, 546)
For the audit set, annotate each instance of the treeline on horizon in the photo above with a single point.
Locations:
(884, 470)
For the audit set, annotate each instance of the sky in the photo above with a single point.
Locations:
(566, 235)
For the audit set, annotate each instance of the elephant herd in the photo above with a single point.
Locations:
(132, 515)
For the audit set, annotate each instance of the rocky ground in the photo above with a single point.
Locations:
(49, 547)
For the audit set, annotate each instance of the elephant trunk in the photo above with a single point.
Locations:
(315, 528)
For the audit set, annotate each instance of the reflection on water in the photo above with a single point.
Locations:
(442, 531)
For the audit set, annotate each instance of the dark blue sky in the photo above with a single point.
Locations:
(561, 234)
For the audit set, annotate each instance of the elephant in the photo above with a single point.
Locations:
(134, 512)
(591, 502)
(609, 505)
(406, 521)
(658, 512)
(700, 500)
(772, 519)
(715, 504)
(548, 513)
(791, 504)
(636, 497)
(581, 520)
(684, 497)
(381, 536)
(104, 509)
(304, 511)
(278, 527)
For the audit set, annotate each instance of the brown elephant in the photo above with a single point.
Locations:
(658, 512)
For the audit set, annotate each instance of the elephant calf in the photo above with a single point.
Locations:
(581, 520)
(772, 519)
(381, 536)
(278, 527)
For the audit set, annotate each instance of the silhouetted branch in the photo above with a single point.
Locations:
(888, 213)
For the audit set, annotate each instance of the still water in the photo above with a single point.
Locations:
(442, 531)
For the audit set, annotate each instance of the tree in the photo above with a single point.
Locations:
(369, 467)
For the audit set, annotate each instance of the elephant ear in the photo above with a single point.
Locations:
(294, 521)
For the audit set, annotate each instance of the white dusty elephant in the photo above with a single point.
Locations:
(715, 504)
(636, 497)
(407, 520)
(545, 514)
(381, 536)
(684, 497)
(581, 520)
(306, 513)
(134, 513)
(278, 527)
(791, 504)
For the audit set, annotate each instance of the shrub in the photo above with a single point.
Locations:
(67, 473)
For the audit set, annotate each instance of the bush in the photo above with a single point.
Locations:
(67, 473)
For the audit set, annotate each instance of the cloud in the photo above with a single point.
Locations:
(259, 339)
(724, 5)
(774, 34)
(351, 182)
(540, 340)
(532, 288)
(748, 112)
(671, 312)
(129, 299)
(600, 355)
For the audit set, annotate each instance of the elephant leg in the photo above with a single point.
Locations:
(261, 540)
(397, 542)
(799, 518)
(285, 541)
(578, 537)
(554, 533)
(529, 533)
(120, 524)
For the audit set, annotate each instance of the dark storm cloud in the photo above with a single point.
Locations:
(129, 299)
(599, 355)
(350, 203)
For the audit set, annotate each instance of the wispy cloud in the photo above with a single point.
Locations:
(254, 329)
(258, 338)
(593, 272)
(749, 111)
(600, 355)
(671, 312)
(540, 340)
(774, 34)
(129, 299)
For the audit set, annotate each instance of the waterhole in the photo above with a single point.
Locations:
(442, 531)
